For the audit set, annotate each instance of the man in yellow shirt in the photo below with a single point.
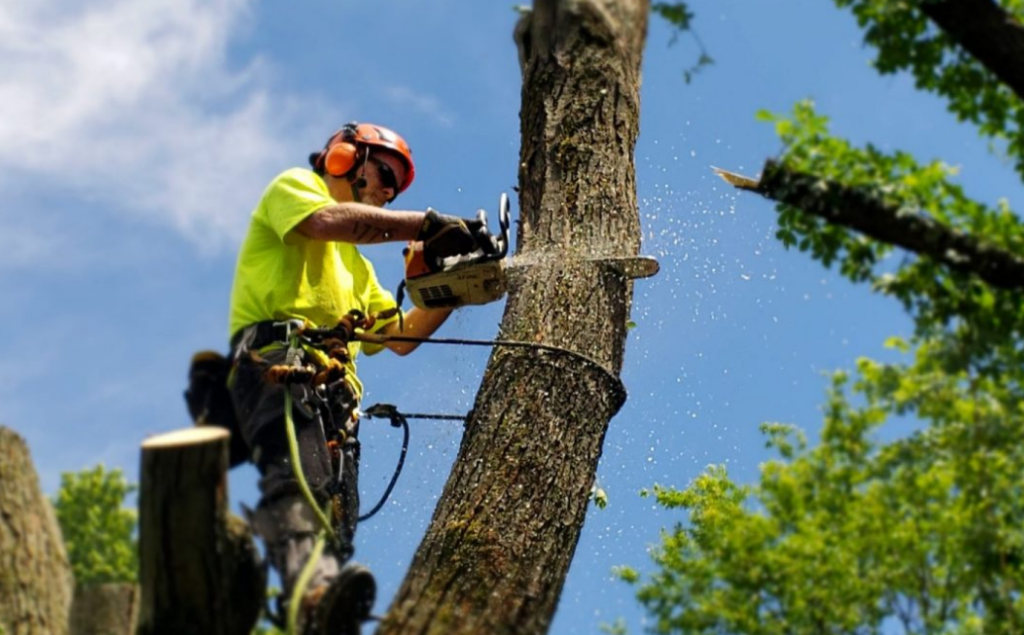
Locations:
(299, 267)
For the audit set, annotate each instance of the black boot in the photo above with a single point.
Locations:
(346, 602)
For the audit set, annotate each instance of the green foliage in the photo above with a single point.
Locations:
(98, 531)
(907, 41)
(678, 14)
(617, 628)
(927, 531)
(983, 325)
(858, 535)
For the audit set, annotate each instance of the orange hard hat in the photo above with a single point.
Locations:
(342, 149)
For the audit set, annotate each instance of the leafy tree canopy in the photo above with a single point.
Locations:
(856, 535)
(99, 533)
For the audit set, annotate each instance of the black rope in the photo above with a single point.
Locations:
(398, 420)
(376, 338)
(620, 388)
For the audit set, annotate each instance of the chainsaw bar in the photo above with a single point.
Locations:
(629, 267)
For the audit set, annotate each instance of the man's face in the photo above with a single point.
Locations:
(383, 173)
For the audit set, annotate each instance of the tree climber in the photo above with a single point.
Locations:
(299, 268)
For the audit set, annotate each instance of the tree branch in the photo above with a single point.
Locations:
(860, 211)
(986, 31)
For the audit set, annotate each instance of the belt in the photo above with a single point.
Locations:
(263, 333)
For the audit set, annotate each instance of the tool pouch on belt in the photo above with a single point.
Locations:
(209, 402)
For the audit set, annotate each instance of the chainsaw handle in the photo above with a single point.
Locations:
(494, 246)
(503, 223)
(490, 245)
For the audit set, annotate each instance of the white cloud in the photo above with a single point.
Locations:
(132, 105)
(427, 105)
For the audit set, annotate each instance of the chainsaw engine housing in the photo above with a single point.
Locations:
(459, 285)
(477, 278)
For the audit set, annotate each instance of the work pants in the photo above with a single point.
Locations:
(283, 517)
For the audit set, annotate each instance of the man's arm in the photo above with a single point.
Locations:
(361, 224)
(418, 323)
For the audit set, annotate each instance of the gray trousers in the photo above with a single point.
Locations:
(283, 517)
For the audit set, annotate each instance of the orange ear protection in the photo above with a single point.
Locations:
(341, 157)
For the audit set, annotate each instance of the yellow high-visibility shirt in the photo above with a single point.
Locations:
(282, 275)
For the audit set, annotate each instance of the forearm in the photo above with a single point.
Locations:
(418, 323)
(361, 224)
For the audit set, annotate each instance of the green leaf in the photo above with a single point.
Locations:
(99, 533)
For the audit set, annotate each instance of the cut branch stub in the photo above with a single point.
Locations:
(198, 568)
(861, 211)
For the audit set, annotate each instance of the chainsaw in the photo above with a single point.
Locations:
(481, 276)
(473, 278)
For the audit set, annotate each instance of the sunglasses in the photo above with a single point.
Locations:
(387, 175)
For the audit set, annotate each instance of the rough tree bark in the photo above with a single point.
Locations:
(498, 549)
(35, 576)
(105, 609)
(198, 566)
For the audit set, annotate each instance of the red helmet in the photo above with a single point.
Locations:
(343, 149)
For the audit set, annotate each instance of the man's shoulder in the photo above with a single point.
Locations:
(297, 177)
(294, 184)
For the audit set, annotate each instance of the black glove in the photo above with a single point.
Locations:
(444, 236)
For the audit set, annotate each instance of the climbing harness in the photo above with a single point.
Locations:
(329, 349)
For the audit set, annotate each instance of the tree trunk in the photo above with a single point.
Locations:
(496, 554)
(35, 576)
(105, 609)
(198, 566)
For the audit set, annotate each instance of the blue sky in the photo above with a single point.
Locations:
(135, 139)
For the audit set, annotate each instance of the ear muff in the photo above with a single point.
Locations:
(340, 158)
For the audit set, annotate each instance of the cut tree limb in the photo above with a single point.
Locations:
(35, 576)
(198, 566)
(859, 210)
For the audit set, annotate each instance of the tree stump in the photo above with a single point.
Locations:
(105, 609)
(35, 576)
(198, 567)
